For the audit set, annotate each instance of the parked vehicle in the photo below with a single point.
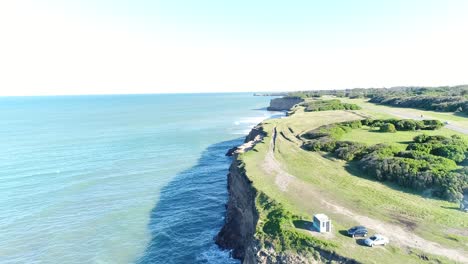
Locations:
(376, 240)
(357, 231)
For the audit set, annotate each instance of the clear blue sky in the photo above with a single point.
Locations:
(103, 46)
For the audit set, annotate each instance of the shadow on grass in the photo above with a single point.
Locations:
(329, 156)
(344, 233)
(382, 132)
(360, 241)
(460, 114)
(303, 224)
(405, 142)
(456, 208)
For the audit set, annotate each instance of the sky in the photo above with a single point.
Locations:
(53, 47)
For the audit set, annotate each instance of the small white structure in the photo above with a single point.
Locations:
(322, 223)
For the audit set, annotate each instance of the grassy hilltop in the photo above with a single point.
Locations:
(293, 184)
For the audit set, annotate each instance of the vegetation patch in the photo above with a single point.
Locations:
(444, 98)
(276, 228)
(325, 105)
(429, 163)
(437, 103)
(393, 125)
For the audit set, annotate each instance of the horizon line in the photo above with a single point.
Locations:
(226, 92)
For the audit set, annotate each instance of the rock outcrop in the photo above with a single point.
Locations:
(284, 103)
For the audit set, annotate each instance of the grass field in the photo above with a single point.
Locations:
(321, 184)
(385, 111)
(372, 136)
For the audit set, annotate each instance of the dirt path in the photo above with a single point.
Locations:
(271, 166)
(395, 233)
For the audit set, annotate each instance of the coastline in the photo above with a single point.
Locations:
(242, 216)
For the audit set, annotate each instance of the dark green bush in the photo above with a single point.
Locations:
(350, 151)
(420, 147)
(325, 105)
(453, 152)
(388, 127)
(432, 124)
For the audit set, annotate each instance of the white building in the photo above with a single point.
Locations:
(322, 223)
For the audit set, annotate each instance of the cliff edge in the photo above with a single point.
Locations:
(284, 103)
(241, 219)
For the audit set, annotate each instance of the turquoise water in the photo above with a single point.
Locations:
(118, 179)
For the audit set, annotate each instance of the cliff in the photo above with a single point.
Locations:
(284, 103)
(241, 216)
(238, 232)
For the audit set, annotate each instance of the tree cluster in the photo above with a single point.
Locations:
(325, 105)
(429, 163)
(436, 103)
(392, 125)
(443, 98)
(401, 91)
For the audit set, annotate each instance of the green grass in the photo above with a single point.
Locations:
(382, 111)
(400, 139)
(320, 177)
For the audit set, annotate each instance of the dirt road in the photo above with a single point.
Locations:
(395, 233)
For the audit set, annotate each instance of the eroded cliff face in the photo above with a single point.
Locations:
(241, 219)
(284, 103)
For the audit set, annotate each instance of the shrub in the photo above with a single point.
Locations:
(420, 147)
(420, 138)
(453, 148)
(350, 151)
(409, 125)
(275, 220)
(353, 124)
(405, 124)
(453, 152)
(325, 105)
(432, 124)
(322, 144)
(387, 127)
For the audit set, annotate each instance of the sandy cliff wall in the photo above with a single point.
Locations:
(284, 103)
(241, 215)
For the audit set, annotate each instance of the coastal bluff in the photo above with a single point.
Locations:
(241, 221)
(284, 103)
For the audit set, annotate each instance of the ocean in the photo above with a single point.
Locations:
(118, 178)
